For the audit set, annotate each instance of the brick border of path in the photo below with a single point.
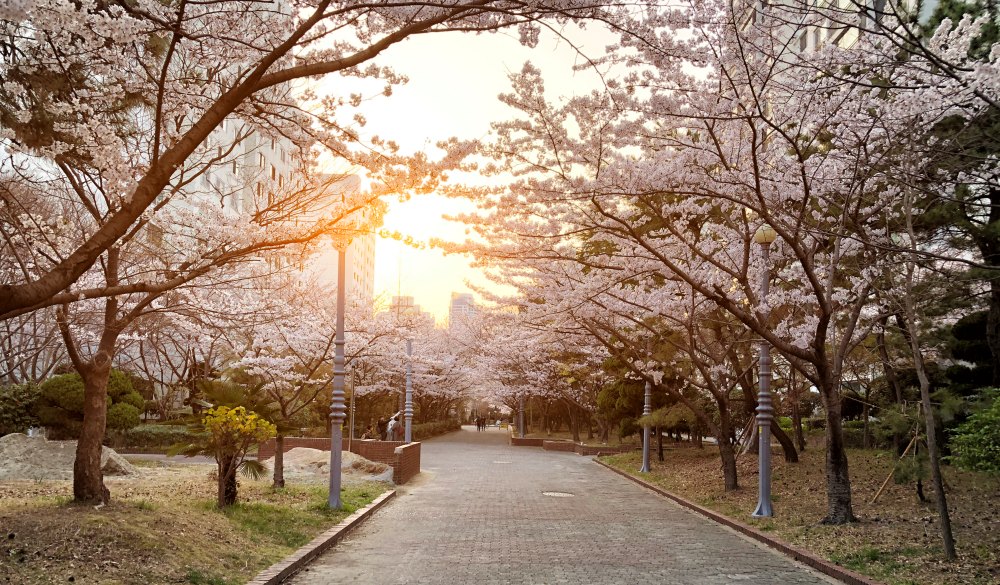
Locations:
(822, 565)
(294, 562)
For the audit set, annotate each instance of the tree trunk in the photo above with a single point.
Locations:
(933, 454)
(226, 482)
(865, 432)
(838, 482)
(787, 447)
(88, 478)
(574, 425)
(659, 444)
(993, 328)
(728, 454)
(795, 394)
(279, 461)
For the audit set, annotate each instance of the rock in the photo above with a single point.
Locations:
(35, 458)
(114, 464)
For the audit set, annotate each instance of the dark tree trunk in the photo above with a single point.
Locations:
(795, 394)
(989, 247)
(787, 447)
(574, 423)
(993, 328)
(659, 444)
(279, 461)
(227, 481)
(838, 482)
(728, 454)
(88, 477)
(933, 454)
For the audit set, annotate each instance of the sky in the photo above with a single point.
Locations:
(454, 80)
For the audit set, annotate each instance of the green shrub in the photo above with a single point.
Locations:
(432, 429)
(151, 438)
(17, 408)
(976, 442)
(785, 422)
(60, 406)
(122, 416)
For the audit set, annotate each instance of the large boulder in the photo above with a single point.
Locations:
(35, 458)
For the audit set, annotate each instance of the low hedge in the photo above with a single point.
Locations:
(855, 439)
(152, 438)
(425, 431)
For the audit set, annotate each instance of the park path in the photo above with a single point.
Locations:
(479, 514)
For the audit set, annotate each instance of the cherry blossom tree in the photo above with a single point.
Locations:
(711, 135)
(130, 94)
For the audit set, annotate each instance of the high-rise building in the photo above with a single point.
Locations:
(360, 256)
(403, 306)
(244, 170)
(463, 306)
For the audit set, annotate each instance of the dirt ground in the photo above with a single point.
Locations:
(161, 527)
(897, 539)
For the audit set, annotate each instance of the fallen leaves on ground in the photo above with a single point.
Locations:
(896, 540)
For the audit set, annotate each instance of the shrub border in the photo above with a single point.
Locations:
(820, 564)
(296, 561)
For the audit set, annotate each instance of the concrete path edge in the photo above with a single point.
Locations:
(822, 565)
(296, 561)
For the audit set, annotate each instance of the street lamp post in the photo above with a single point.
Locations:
(408, 405)
(765, 411)
(337, 407)
(647, 409)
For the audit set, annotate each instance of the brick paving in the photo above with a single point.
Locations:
(479, 514)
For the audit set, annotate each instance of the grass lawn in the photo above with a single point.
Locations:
(161, 528)
(897, 540)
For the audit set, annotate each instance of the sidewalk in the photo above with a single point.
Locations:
(485, 512)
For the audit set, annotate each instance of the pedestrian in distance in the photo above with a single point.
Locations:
(390, 429)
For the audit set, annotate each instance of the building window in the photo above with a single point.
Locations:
(803, 41)
(262, 161)
(274, 173)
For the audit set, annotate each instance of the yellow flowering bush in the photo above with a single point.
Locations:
(233, 432)
(232, 428)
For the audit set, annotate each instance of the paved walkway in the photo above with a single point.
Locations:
(479, 514)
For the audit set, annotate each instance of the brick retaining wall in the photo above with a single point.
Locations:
(567, 446)
(408, 458)
(404, 458)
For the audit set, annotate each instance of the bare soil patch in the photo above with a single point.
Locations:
(897, 539)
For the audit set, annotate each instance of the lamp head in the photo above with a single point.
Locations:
(765, 235)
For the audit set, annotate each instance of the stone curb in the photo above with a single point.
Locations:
(296, 561)
(822, 565)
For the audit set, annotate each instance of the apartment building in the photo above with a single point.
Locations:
(462, 307)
